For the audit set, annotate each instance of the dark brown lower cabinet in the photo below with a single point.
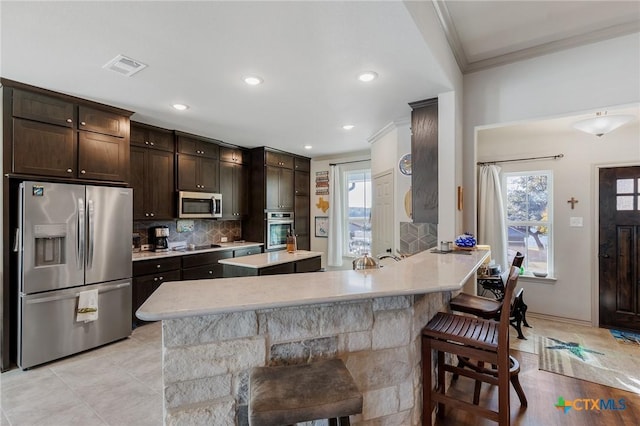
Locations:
(305, 265)
(148, 275)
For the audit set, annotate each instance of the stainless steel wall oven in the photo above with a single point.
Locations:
(278, 225)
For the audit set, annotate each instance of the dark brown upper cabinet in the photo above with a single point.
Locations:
(198, 164)
(424, 159)
(107, 123)
(302, 199)
(207, 148)
(152, 173)
(234, 186)
(279, 188)
(301, 164)
(278, 159)
(232, 155)
(152, 137)
(55, 135)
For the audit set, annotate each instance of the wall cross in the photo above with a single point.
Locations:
(573, 202)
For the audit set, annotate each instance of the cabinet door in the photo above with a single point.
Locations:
(43, 149)
(301, 183)
(278, 159)
(301, 164)
(209, 176)
(160, 184)
(35, 106)
(145, 285)
(227, 189)
(272, 188)
(424, 156)
(102, 157)
(242, 190)
(285, 268)
(301, 216)
(286, 189)
(137, 181)
(187, 173)
(197, 147)
(231, 155)
(104, 122)
(142, 135)
(203, 272)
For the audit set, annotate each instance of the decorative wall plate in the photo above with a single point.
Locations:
(405, 165)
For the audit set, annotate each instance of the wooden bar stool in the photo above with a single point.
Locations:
(477, 340)
(299, 393)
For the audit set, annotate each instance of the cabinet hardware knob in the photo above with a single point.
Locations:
(161, 278)
(146, 142)
(155, 279)
(146, 214)
(210, 272)
(201, 152)
(151, 214)
(158, 266)
(69, 171)
(82, 172)
(151, 143)
(69, 120)
(82, 123)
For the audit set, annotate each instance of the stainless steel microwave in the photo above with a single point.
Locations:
(199, 205)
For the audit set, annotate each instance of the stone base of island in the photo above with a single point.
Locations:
(215, 331)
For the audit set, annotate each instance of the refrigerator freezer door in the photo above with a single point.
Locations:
(51, 253)
(109, 223)
(49, 329)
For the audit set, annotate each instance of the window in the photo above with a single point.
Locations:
(357, 211)
(528, 200)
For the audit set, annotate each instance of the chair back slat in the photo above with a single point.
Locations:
(509, 296)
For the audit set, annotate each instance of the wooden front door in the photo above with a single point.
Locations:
(619, 248)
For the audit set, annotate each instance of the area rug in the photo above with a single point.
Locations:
(626, 337)
(609, 368)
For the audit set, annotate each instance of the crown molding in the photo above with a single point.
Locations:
(451, 34)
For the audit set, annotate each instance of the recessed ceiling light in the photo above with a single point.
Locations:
(368, 76)
(348, 126)
(252, 80)
(180, 107)
(308, 147)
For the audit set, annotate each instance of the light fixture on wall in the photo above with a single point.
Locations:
(602, 123)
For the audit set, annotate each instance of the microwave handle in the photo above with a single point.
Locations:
(217, 206)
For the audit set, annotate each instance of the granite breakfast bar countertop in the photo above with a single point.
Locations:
(262, 260)
(422, 273)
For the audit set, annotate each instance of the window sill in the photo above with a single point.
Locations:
(549, 280)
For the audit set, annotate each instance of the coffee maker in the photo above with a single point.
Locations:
(159, 237)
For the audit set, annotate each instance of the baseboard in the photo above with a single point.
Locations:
(559, 319)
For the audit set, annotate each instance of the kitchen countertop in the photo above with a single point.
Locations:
(422, 273)
(262, 260)
(146, 255)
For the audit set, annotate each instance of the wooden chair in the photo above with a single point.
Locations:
(490, 308)
(483, 341)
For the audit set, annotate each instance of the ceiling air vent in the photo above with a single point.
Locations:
(125, 66)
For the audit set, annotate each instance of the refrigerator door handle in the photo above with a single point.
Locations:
(91, 234)
(81, 235)
(103, 289)
(17, 244)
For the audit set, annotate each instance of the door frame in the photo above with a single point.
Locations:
(595, 229)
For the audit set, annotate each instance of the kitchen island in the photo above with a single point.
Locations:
(215, 332)
(272, 263)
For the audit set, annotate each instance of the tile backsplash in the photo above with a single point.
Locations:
(204, 231)
(417, 237)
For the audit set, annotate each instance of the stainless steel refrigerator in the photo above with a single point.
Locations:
(71, 238)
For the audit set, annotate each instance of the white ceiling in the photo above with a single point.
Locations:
(309, 54)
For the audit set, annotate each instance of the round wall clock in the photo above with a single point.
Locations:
(405, 165)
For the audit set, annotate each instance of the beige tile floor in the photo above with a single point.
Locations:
(121, 383)
(117, 384)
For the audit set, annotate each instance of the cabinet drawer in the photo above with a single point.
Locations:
(203, 259)
(308, 265)
(203, 272)
(285, 268)
(192, 146)
(145, 267)
(247, 251)
(42, 108)
(103, 122)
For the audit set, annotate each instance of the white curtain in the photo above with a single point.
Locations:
(491, 221)
(336, 225)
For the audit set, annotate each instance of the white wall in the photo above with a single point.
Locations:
(586, 78)
(322, 164)
(573, 176)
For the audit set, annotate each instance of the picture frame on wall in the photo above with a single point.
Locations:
(322, 226)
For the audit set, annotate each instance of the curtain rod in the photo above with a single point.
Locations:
(554, 157)
(348, 162)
